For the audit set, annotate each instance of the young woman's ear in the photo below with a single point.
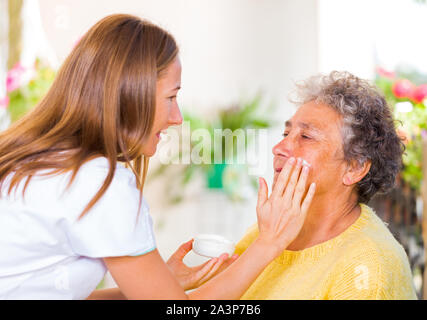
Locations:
(356, 172)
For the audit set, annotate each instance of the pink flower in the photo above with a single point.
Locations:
(385, 73)
(14, 77)
(419, 94)
(4, 102)
(403, 88)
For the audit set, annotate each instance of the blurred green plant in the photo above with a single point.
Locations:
(26, 87)
(407, 95)
(225, 174)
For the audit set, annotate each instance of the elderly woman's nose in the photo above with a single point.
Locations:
(283, 149)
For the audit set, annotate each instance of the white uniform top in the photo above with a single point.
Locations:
(45, 253)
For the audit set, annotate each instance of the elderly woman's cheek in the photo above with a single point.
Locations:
(317, 167)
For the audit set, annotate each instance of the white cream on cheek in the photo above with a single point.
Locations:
(305, 163)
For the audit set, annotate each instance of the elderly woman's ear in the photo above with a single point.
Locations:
(356, 172)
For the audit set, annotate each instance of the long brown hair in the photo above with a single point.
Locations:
(102, 103)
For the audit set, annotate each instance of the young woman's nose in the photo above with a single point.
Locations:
(175, 117)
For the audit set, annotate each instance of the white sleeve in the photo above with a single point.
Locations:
(113, 227)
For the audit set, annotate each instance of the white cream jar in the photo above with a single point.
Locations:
(211, 245)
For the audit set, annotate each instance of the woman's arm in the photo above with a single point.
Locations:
(107, 294)
(145, 277)
(148, 277)
(280, 218)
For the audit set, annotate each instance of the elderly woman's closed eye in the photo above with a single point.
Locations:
(344, 129)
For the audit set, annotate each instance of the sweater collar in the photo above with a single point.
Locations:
(321, 249)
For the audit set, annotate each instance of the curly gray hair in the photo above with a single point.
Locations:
(368, 130)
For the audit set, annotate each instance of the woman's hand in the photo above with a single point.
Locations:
(193, 277)
(281, 216)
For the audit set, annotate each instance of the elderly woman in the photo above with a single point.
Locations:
(344, 129)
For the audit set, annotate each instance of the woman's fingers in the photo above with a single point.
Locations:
(213, 268)
(308, 198)
(283, 178)
(206, 268)
(227, 263)
(293, 180)
(282, 216)
(274, 181)
(262, 192)
(300, 188)
(183, 250)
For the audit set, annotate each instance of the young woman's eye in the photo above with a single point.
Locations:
(284, 135)
(171, 98)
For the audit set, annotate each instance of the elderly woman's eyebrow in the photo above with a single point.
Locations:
(303, 125)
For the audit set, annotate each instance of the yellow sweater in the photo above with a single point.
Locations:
(363, 262)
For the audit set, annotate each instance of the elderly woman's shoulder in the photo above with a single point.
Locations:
(372, 240)
(373, 260)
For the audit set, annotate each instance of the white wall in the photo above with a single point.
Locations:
(358, 35)
(229, 49)
(346, 37)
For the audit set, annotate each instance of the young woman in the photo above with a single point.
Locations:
(72, 173)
